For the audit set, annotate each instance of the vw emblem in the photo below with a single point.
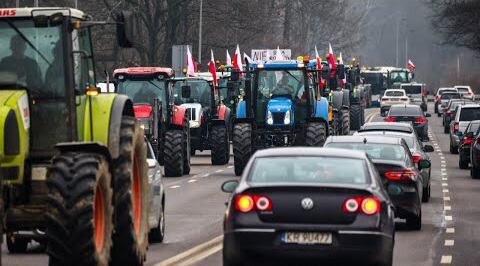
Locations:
(307, 204)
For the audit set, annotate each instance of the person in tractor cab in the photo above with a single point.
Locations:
(283, 87)
(24, 67)
(144, 94)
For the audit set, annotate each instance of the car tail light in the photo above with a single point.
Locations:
(449, 113)
(142, 111)
(416, 157)
(390, 119)
(402, 175)
(420, 120)
(469, 93)
(247, 203)
(455, 126)
(384, 99)
(467, 140)
(365, 205)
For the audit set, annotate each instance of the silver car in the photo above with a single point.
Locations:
(156, 216)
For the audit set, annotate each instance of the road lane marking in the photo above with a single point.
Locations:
(230, 166)
(219, 171)
(444, 179)
(447, 208)
(192, 180)
(450, 230)
(448, 218)
(444, 173)
(443, 161)
(205, 175)
(446, 259)
(444, 184)
(446, 198)
(443, 165)
(445, 191)
(449, 242)
(194, 254)
(176, 186)
(441, 157)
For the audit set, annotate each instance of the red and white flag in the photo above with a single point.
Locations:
(229, 59)
(321, 82)
(237, 60)
(410, 65)
(331, 61)
(213, 70)
(190, 64)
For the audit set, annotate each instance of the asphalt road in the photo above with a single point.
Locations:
(195, 207)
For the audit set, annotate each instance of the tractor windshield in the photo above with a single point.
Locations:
(274, 83)
(34, 55)
(143, 90)
(399, 77)
(200, 92)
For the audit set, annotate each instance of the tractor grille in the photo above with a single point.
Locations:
(278, 117)
(191, 112)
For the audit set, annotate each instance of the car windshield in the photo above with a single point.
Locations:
(412, 89)
(374, 150)
(394, 93)
(469, 114)
(305, 169)
(448, 96)
(409, 139)
(405, 111)
(143, 90)
(399, 76)
(200, 91)
(289, 83)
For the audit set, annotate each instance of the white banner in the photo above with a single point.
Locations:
(270, 54)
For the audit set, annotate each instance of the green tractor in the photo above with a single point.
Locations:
(359, 95)
(73, 161)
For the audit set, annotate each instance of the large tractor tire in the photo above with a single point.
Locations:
(316, 134)
(186, 149)
(130, 240)
(79, 219)
(220, 145)
(242, 146)
(173, 153)
(345, 126)
(356, 117)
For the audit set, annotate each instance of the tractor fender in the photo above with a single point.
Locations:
(90, 147)
(346, 98)
(178, 115)
(9, 137)
(241, 110)
(121, 106)
(321, 109)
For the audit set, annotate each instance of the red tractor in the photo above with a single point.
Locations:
(166, 125)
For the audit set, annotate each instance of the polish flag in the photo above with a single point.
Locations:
(237, 60)
(321, 82)
(344, 80)
(247, 58)
(190, 64)
(213, 70)
(331, 61)
(229, 59)
(410, 65)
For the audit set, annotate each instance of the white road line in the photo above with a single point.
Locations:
(192, 180)
(446, 198)
(230, 166)
(441, 157)
(176, 186)
(448, 218)
(219, 171)
(205, 175)
(444, 173)
(443, 161)
(440, 153)
(449, 242)
(450, 230)
(445, 191)
(444, 179)
(447, 208)
(446, 259)
(443, 165)
(444, 184)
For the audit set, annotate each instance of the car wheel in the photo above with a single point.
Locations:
(462, 164)
(231, 256)
(426, 194)
(157, 234)
(475, 172)
(16, 245)
(415, 222)
(453, 150)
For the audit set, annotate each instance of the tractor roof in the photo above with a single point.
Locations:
(144, 71)
(205, 76)
(46, 11)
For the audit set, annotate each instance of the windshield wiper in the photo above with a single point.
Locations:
(288, 72)
(149, 81)
(27, 41)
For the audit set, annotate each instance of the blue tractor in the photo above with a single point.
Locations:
(280, 107)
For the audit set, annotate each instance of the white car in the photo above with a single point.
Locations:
(156, 215)
(392, 97)
(466, 92)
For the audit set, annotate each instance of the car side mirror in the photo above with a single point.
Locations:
(229, 186)
(186, 91)
(126, 29)
(428, 148)
(428, 115)
(424, 164)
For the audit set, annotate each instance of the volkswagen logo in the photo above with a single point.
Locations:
(307, 204)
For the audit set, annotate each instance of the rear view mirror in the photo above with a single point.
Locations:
(428, 148)
(126, 29)
(186, 91)
(424, 164)
(229, 186)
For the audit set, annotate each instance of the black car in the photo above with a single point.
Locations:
(417, 148)
(394, 162)
(296, 205)
(410, 113)
(466, 143)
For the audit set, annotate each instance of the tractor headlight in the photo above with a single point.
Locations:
(269, 118)
(286, 119)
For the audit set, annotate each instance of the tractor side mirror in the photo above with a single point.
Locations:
(126, 28)
(186, 91)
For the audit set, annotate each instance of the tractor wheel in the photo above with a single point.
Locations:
(173, 153)
(130, 240)
(186, 149)
(345, 128)
(79, 218)
(337, 123)
(242, 146)
(15, 244)
(220, 145)
(316, 134)
(355, 117)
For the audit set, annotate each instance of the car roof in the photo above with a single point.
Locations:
(365, 139)
(309, 151)
(387, 126)
(470, 105)
(405, 106)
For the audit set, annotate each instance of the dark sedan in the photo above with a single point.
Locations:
(466, 143)
(410, 113)
(400, 176)
(295, 205)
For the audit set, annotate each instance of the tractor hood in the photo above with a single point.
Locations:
(194, 110)
(280, 111)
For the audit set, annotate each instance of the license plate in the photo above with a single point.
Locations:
(307, 238)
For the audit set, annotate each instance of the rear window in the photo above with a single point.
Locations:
(448, 96)
(454, 105)
(374, 150)
(469, 114)
(408, 138)
(394, 93)
(440, 92)
(412, 89)
(305, 169)
(462, 90)
(405, 111)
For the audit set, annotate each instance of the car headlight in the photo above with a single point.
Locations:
(286, 119)
(269, 118)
